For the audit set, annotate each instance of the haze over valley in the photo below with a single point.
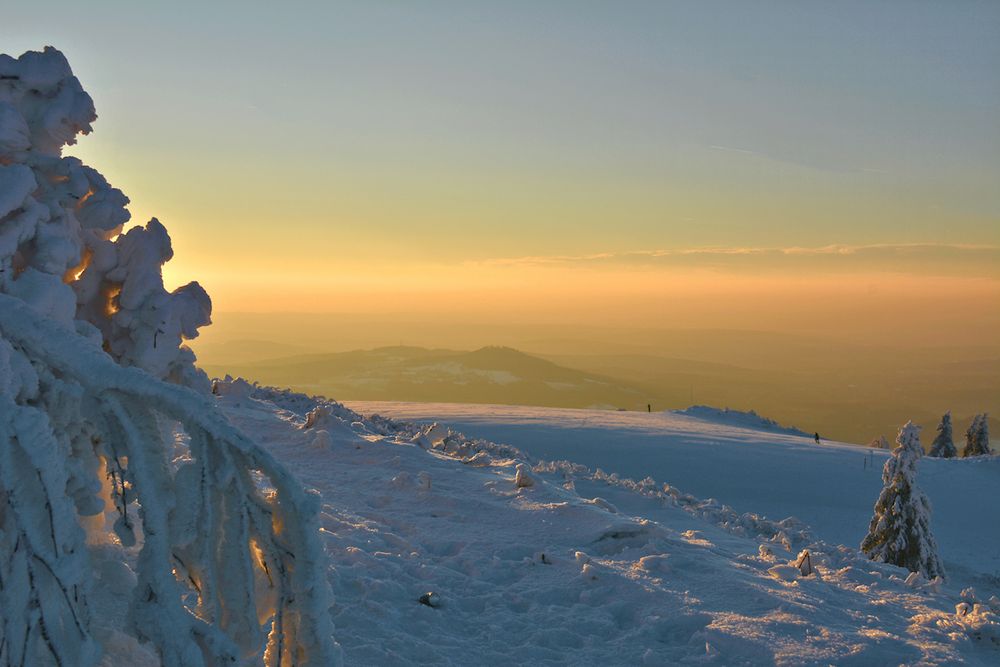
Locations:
(845, 391)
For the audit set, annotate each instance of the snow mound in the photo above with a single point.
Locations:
(749, 419)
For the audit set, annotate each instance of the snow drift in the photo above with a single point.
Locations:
(108, 437)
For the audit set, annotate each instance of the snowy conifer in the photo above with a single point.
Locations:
(93, 378)
(879, 443)
(900, 532)
(943, 445)
(977, 437)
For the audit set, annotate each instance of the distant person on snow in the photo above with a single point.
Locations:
(816, 435)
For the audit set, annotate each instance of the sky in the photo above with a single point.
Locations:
(793, 165)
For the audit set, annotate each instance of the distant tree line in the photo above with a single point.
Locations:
(977, 438)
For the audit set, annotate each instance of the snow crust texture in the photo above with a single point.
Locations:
(115, 465)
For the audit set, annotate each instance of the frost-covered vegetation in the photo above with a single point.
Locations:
(900, 531)
(977, 437)
(108, 436)
(944, 445)
(748, 419)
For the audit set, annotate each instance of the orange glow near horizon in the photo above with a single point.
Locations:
(877, 305)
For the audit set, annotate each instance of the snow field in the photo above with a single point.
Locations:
(831, 487)
(582, 566)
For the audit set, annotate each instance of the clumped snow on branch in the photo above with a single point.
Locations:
(94, 385)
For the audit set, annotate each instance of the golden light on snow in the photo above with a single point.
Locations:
(111, 293)
(258, 556)
(74, 274)
(84, 198)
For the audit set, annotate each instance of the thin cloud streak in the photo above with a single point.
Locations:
(982, 261)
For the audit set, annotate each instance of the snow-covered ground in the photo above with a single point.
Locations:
(750, 467)
(579, 567)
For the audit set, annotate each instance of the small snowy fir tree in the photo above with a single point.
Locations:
(879, 443)
(977, 437)
(900, 531)
(944, 446)
(94, 385)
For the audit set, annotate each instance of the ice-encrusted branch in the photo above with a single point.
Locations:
(228, 529)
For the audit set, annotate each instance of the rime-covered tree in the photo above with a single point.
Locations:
(93, 379)
(879, 443)
(900, 531)
(944, 445)
(977, 437)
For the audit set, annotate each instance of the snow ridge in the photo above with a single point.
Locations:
(749, 419)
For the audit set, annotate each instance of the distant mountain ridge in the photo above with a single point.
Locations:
(492, 374)
(853, 404)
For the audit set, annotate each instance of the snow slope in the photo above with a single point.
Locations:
(831, 487)
(578, 567)
(750, 420)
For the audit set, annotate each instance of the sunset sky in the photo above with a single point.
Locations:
(769, 165)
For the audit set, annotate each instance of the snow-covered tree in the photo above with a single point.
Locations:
(94, 383)
(944, 445)
(900, 531)
(977, 437)
(879, 443)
